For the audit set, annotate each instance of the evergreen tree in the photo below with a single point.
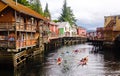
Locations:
(36, 6)
(71, 18)
(64, 12)
(67, 14)
(55, 21)
(46, 12)
(33, 4)
(23, 2)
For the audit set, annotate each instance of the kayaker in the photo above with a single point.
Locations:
(84, 61)
(59, 60)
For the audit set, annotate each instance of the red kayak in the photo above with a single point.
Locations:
(59, 61)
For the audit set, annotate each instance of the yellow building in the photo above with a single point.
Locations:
(111, 27)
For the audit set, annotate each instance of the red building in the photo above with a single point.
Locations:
(100, 33)
(53, 27)
(81, 32)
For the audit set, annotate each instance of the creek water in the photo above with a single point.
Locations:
(100, 63)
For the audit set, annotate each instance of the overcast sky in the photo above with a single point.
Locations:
(89, 13)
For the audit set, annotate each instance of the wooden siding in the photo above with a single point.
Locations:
(117, 28)
(21, 29)
(108, 19)
(111, 27)
(23, 9)
(7, 16)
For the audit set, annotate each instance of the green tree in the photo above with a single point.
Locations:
(71, 18)
(55, 21)
(24, 2)
(33, 4)
(36, 6)
(64, 12)
(46, 12)
(67, 14)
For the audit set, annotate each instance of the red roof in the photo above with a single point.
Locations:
(23, 9)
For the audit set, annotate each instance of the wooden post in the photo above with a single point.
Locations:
(8, 39)
(15, 28)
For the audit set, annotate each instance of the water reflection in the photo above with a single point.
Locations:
(6, 72)
(112, 63)
(100, 63)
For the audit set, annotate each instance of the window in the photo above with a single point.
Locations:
(32, 20)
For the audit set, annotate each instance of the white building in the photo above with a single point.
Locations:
(74, 30)
(64, 29)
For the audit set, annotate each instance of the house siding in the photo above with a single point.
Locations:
(7, 15)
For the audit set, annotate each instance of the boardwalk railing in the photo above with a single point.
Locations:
(25, 43)
(17, 44)
(18, 26)
(7, 26)
(7, 44)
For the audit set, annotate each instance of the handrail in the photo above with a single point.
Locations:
(7, 25)
(109, 23)
(7, 43)
(18, 25)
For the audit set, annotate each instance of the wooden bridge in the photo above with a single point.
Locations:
(57, 42)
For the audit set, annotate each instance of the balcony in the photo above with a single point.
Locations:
(25, 27)
(25, 43)
(17, 44)
(31, 28)
(4, 26)
(7, 44)
(20, 27)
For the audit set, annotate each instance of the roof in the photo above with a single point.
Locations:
(81, 27)
(111, 16)
(23, 9)
(53, 23)
(74, 26)
(61, 24)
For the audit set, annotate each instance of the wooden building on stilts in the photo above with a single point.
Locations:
(21, 32)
